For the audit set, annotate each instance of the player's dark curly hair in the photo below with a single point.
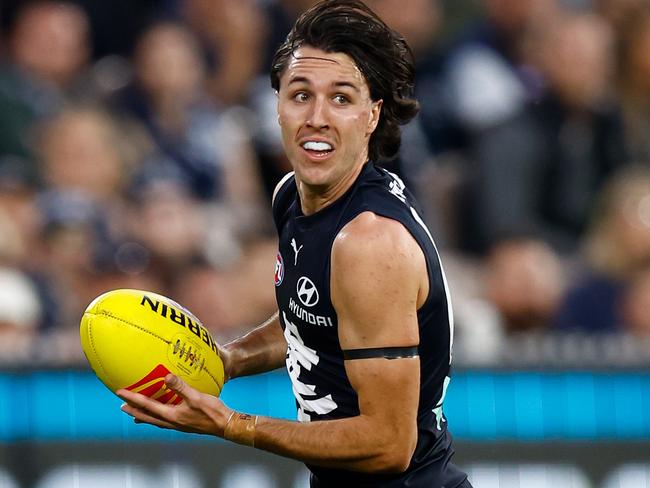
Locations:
(381, 54)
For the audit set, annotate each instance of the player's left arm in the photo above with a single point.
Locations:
(378, 281)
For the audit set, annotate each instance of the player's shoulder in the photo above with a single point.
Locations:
(375, 257)
(373, 236)
(368, 224)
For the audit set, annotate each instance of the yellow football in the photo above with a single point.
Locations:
(133, 339)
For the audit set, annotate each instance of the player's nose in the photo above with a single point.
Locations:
(318, 114)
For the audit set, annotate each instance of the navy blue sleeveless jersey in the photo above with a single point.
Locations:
(314, 357)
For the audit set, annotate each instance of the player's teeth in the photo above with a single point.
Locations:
(317, 146)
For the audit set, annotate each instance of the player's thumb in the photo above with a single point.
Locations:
(177, 385)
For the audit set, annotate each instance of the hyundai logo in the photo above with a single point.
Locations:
(307, 292)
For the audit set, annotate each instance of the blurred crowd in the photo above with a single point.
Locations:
(139, 148)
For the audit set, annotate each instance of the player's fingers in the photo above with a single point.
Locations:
(178, 386)
(132, 410)
(131, 397)
(141, 402)
(140, 416)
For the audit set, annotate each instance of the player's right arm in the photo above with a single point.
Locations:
(262, 349)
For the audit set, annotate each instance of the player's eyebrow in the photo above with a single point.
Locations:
(342, 84)
(299, 79)
(336, 84)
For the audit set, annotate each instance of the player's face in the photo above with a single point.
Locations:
(327, 117)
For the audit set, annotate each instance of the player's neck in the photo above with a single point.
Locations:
(315, 198)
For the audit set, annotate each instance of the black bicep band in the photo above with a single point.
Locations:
(381, 352)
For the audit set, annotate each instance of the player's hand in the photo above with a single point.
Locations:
(199, 413)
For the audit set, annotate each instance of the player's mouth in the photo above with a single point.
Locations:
(317, 150)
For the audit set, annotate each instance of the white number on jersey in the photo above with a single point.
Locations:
(300, 356)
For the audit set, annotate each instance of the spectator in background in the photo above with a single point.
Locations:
(539, 172)
(618, 12)
(46, 57)
(82, 151)
(168, 98)
(19, 242)
(636, 303)
(488, 75)
(85, 158)
(20, 312)
(613, 289)
(20, 305)
(525, 281)
(233, 32)
(634, 85)
(206, 145)
(170, 223)
(18, 215)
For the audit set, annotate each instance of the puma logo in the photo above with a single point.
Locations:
(296, 250)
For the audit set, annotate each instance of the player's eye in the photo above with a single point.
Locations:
(341, 99)
(300, 96)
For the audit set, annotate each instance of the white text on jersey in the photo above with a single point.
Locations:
(308, 317)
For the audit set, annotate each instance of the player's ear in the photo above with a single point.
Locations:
(277, 105)
(373, 116)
